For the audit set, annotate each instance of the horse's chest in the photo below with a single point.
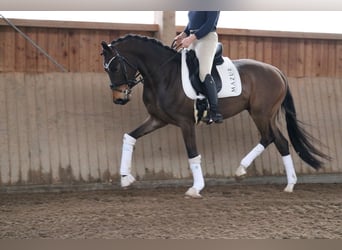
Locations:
(151, 101)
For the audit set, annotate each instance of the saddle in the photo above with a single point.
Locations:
(193, 66)
(224, 72)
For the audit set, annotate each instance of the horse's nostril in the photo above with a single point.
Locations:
(120, 101)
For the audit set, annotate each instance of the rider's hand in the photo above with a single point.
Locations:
(188, 40)
(179, 39)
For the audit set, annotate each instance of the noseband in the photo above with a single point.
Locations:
(123, 65)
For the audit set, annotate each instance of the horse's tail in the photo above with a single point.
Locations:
(301, 139)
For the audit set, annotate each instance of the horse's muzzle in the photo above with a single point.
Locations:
(121, 94)
(121, 101)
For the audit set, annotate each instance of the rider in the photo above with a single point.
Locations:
(200, 35)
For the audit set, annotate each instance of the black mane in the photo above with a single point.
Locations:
(144, 39)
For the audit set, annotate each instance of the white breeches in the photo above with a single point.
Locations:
(205, 49)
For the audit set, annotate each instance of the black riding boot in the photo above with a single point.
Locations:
(213, 114)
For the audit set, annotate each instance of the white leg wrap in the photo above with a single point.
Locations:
(290, 173)
(198, 184)
(250, 157)
(126, 160)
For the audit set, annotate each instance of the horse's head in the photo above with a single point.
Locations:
(122, 74)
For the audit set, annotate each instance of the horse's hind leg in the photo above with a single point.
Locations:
(270, 133)
(247, 160)
(266, 139)
(283, 148)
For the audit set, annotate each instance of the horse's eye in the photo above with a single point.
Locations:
(112, 68)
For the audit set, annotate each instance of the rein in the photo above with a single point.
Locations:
(171, 58)
(167, 61)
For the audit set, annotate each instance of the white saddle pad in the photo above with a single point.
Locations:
(231, 82)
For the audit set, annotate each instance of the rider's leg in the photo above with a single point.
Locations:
(205, 51)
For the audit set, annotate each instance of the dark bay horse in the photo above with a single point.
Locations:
(265, 92)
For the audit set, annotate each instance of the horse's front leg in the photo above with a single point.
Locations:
(189, 137)
(129, 141)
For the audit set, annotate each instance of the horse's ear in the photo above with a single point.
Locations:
(105, 46)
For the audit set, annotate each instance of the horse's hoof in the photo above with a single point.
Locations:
(127, 180)
(193, 193)
(289, 188)
(240, 173)
(239, 178)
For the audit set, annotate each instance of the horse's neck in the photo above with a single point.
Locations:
(154, 63)
(156, 58)
(152, 54)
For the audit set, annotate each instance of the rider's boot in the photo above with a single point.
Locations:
(213, 114)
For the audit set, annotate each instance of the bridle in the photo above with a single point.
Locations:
(123, 65)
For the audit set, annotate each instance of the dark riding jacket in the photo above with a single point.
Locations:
(201, 23)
